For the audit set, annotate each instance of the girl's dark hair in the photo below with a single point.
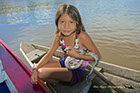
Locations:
(73, 12)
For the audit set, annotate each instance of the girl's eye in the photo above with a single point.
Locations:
(71, 22)
(62, 21)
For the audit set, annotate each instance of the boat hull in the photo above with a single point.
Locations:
(18, 73)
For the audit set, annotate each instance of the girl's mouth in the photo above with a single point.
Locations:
(66, 31)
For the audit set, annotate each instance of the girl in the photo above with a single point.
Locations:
(70, 33)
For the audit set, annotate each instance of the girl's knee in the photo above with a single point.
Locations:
(46, 76)
(43, 75)
(40, 76)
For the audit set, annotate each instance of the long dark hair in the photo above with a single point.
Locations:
(73, 12)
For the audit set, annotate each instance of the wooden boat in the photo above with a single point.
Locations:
(14, 75)
(111, 76)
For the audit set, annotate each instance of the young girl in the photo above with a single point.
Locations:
(70, 33)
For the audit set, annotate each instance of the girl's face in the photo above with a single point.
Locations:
(66, 24)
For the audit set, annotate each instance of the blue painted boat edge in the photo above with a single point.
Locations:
(7, 85)
(4, 88)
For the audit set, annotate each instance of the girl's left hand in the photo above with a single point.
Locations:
(71, 52)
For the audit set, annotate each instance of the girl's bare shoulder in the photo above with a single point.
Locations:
(84, 35)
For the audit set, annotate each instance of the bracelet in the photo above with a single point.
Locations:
(34, 69)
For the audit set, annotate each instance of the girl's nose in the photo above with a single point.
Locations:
(66, 25)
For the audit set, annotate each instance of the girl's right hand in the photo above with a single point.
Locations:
(72, 52)
(34, 77)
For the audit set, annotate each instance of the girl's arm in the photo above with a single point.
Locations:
(87, 42)
(49, 54)
(45, 59)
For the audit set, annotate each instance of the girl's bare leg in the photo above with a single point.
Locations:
(52, 64)
(52, 72)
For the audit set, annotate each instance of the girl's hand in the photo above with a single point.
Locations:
(34, 77)
(72, 52)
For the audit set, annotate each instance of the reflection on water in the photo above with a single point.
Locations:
(113, 25)
(26, 12)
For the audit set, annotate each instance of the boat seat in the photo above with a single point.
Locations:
(35, 54)
(27, 47)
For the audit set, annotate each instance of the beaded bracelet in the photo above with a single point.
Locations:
(34, 69)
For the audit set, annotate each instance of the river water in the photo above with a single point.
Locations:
(114, 26)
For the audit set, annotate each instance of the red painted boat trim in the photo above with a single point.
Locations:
(18, 72)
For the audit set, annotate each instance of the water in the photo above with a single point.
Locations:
(114, 26)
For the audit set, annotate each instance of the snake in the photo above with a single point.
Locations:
(69, 59)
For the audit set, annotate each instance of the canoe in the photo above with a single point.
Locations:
(33, 53)
(14, 75)
(118, 78)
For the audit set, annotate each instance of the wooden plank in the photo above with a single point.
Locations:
(121, 71)
(58, 53)
(101, 76)
(27, 47)
(126, 85)
(35, 54)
